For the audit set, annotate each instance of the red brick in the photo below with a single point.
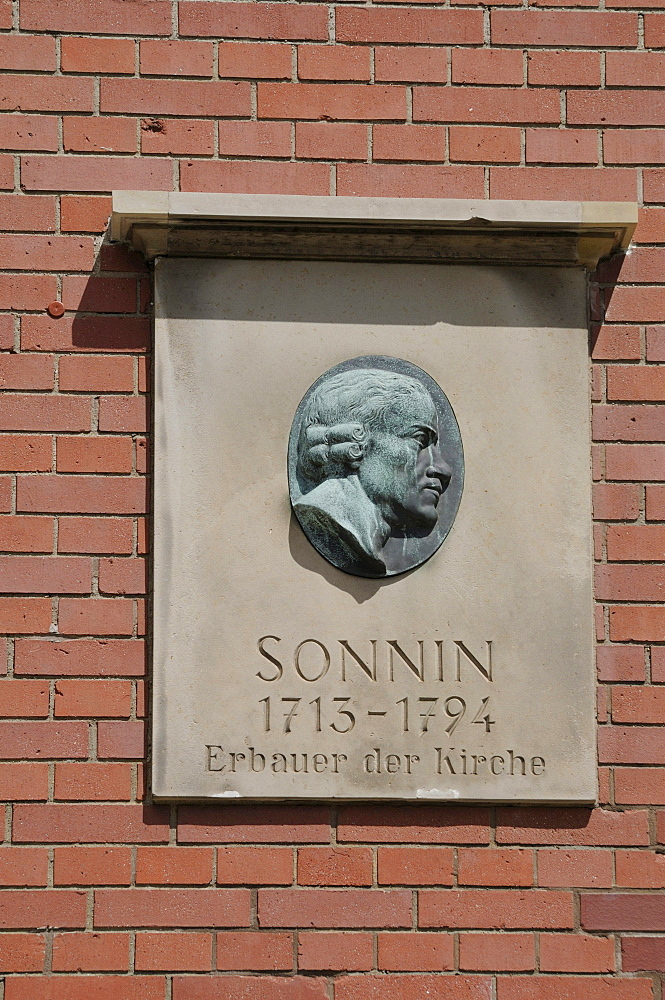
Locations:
(336, 101)
(248, 987)
(655, 505)
(26, 781)
(94, 454)
(640, 869)
(175, 952)
(617, 343)
(409, 142)
(558, 868)
(321, 951)
(92, 333)
(86, 495)
(630, 583)
(334, 866)
(247, 177)
(409, 180)
(254, 866)
(654, 31)
(255, 139)
(636, 541)
(553, 145)
(264, 823)
(419, 825)
(21, 699)
(122, 576)
(494, 908)
(496, 867)
(26, 534)
(631, 382)
(96, 374)
(411, 65)
(431, 27)
(487, 66)
(333, 62)
(497, 952)
(334, 908)
(128, 414)
(485, 145)
(561, 183)
(23, 866)
(606, 107)
(246, 20)
(634, 69)
(29, 132)
(638, 705)
(22, 952)
(46, 253)
(92, 781)
(615, 501)
(172, 907)
(180, 137)
(623, 912)
(175, 97)
(643, 953)
(85, 657)
(97, 616)
(331, 141)
(176, 58)
(564, 28)
(84, 215)
(256, 952)
(25, 614)
(89, 534)
(124, 740)
(576, 953)
(625, 462)
(87, 988)
(39, 908)
(415, 866)
(26, 453)
(572, 988)
(73, 823)
(173, 865)
(90, 698)
(90, 952)
(254, 60)
(96, 55)
(385, 987)
(575, 827)
(45, 740)
(630, 745)
(98, 135)
(419, 952)
(641, 624)
(92, 865)
(655, 343)
(564, 68)
(102, 17)
(93, 173)
(26, 371)
(644, 146)
(628, 303)
(639, 786)
(6, 172)
(31, 412)
(26, 212)
(26, 291)
(45, 93)
(478, 104)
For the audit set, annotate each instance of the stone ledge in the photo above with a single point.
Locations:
(404, 230)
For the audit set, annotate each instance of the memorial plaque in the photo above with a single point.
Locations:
(372, 574)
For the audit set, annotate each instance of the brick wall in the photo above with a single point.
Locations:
(114, 898)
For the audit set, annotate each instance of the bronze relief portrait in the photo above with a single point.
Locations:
(376, 466)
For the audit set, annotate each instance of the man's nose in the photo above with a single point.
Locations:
(439, 468)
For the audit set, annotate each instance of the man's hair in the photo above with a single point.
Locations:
(341, 413)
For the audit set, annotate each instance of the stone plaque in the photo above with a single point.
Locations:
(442, 650)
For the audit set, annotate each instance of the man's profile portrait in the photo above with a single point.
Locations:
(369, 474)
